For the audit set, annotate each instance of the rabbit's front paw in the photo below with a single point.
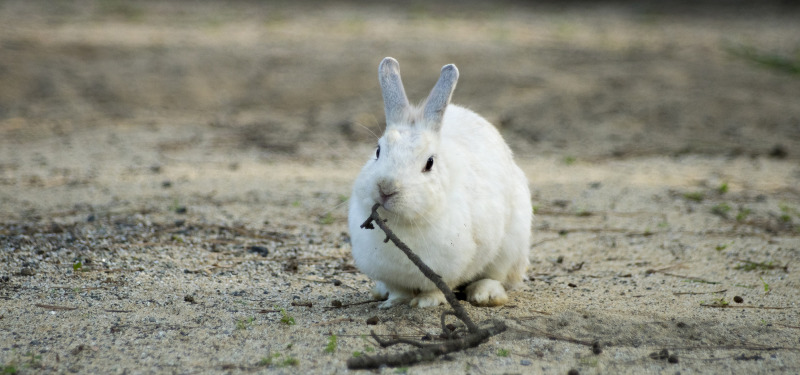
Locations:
(428, 299)
(394, 298)
(380, 292)
(487, 292)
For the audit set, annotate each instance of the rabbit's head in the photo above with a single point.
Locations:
(409, 174)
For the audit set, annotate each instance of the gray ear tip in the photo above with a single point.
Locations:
(389, 62)
(450, 69)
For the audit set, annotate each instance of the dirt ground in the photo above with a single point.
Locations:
(174, 179)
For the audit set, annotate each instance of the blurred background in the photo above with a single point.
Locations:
(587, 80)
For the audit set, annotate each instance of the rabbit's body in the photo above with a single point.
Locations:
(450, 189)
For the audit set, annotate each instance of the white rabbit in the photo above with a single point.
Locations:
(449, 188)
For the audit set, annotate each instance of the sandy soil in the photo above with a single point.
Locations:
(173, 182)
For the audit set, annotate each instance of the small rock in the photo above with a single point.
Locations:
(672, 359)
(188, 298)
(573, 372)
(738, 299)
(27, 271)
(260, 250)
(91, 218)
(525, 362)
(596, 348)
(779, 152)
(181, 210)
(571, 285)
(336, 303)
(336, 282)
(373, 321)
(76, 350)
(662, 355)
(166, 184)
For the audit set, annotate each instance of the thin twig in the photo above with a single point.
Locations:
(729, 306)
(395, 341)
(427, 271)
(427, 352)
(697, 293)
(54, 307)
(424, 352)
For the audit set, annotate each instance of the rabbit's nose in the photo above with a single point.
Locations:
(386, 190)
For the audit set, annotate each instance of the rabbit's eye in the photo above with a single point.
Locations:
(428, 165)
(378, 152)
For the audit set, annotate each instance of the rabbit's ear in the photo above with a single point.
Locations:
(394, 96)
(440, 96)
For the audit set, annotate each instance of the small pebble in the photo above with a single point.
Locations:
(27, 271)
(336, 282)
(672, 359)
(336, 303)
(181, 210)
(573, 372)
(596, 349)
(525, 362)
(571, 285)
(373, 321)
(188, 298)
(738, 299)
(260, 250)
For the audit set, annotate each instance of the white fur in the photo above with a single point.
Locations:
(468, 218)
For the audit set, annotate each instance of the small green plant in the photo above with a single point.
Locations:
(787, 212)
(502, 352)
(296, 204)
(290, 361)
(328, 219)
(357, 354)
(570, 160)
(588, 361)
(9, 369)
(401, 370)
(246, 323)
(766, 286)
(722, 189)
(331, 347)
(696, 196)
(721, 209)
(717, 302)
(743, 213)
(756, 266)
(77, 266)
(286, 318)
